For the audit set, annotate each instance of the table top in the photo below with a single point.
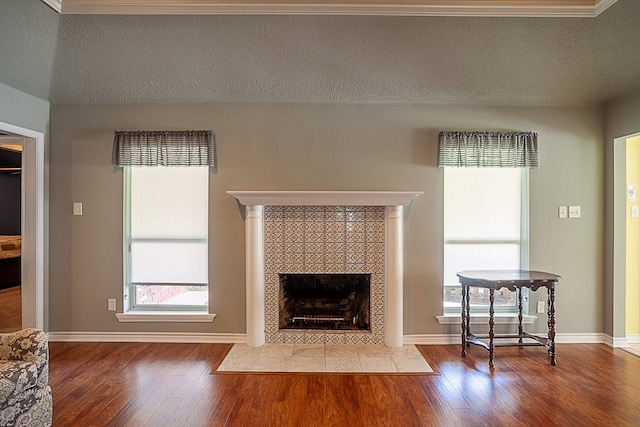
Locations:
(501, 278)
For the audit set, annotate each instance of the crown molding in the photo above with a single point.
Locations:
(602, 5)
(480, 8)
(54, 4)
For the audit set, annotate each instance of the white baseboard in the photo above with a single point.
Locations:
(615, 342)
(582, 338)
(160, 337)
(228, 338)
(633, 338)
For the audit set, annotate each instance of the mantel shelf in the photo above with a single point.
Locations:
(325, 198)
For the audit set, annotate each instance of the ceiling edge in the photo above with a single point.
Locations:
(389, 8)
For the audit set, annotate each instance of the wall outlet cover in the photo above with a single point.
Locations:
(574, 212)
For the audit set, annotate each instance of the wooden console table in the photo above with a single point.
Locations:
(513, 280)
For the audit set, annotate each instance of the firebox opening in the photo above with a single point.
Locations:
(325, 301)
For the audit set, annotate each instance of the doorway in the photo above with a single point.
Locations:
(32, 227)
(632, 244)
(10, 233)
(626, 250)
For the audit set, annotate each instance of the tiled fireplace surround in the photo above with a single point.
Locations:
(323, 240)
(318, 232)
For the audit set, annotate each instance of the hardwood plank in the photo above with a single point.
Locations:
(11, 309)
(143, 384)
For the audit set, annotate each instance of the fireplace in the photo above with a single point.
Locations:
(328, 251)
(324, 233)
(325, 301)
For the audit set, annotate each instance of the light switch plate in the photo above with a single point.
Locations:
(77, 208)
(574, 211)
(562, 212)
(634, 211)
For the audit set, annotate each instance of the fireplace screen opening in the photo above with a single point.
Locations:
(325, 301)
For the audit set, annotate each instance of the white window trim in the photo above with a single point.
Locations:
(146, 316)
(508, 315)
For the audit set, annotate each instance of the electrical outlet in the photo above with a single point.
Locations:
(111, 304)
(574, 211)
(540, 308)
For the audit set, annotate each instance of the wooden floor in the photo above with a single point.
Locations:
(111, 384)
(11, 309)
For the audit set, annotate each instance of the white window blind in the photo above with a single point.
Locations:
(169, 225)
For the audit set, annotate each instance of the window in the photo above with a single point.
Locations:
(485, 227)
(166, 237)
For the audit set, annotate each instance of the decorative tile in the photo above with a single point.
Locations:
(324, 239)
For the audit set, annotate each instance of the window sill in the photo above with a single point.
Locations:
(166, 316)
(483, 319)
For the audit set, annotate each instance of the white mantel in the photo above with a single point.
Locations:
(325, 198)
(393, 201)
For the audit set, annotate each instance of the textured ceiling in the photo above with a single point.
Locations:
(440, 60)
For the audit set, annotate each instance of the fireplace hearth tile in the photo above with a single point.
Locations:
(324, 358)
(308, 350)
(348, 350)
(373, 351)
(343, 364)
(272, 364)
(307, 364)
(377, 364)
(277, 350)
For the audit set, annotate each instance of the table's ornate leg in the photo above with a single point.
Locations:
(551, 322)
(491, 332)
(519, 290)
(463, 318)
(468, 315)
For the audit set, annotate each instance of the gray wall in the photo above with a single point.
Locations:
(622, 118)
(308, 146)
(20, 109)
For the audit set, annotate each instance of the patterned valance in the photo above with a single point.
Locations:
(163, 148)
(488, 149)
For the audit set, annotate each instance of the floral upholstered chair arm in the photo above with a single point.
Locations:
(25, 395)
(28, 345)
